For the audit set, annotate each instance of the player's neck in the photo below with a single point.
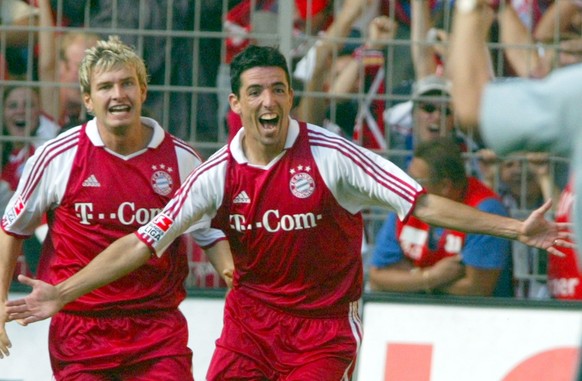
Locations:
(258, 154)
(126, 140)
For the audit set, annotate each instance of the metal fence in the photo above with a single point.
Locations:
(186, 47)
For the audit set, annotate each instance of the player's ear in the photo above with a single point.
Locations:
(144, 93)
(87, 102)
(291, 96)
(234, 103)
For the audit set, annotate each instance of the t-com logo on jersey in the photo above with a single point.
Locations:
(127, 214)
(273, 221)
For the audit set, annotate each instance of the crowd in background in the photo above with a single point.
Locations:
(377, 76)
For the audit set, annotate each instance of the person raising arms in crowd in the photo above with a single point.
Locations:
(59, 58)
(288, 197)
(518, 114)
(23, 118)
(98, 182)
(28, 127)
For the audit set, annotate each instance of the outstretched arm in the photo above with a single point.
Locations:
(535, 231)
(120, 258)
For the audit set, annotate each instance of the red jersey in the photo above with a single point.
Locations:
(94, 196)
(563, 276)
(293, 219)
(294, 225)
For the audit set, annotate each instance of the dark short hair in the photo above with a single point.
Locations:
(256, 56)
(444, 160)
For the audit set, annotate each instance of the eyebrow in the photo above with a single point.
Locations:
(274, 84)
(111, 81)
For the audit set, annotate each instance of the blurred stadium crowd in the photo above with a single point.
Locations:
(377, 76)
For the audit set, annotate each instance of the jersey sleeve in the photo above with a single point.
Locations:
(387, 249)
(188, 158)
(359, 178)
(484, 251)
(191, 208)
(41, 186)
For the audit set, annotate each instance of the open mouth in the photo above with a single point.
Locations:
(119, 109)
(434, 129)
(20, 124)
(269, 121)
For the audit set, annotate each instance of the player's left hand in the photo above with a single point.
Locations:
(544, 234)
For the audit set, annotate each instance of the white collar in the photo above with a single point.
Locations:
(236, 143)
(156, 140)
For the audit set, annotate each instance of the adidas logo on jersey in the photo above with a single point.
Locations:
(91, 181)
(242, 198)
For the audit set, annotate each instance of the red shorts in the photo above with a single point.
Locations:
(262, 343)
(144, 346)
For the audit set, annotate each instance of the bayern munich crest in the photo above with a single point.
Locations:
(162, 182)
(301, 184)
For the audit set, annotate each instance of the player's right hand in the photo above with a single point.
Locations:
(5, 343)
(42, 303)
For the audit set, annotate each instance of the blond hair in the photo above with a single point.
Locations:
(107, 55)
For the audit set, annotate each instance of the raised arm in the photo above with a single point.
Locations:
(47, 60)
(468, 62)
(422, 51)
(520, 47)
(26, 18)
(381, 31)
(312, 108)
(560, 17)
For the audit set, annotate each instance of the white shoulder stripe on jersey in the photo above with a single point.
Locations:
(45, 155)
(379, 174)
(356, 154)
(187, 147)
(355, 150)
(179, 198)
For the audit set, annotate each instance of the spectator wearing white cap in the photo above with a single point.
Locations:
(427, 116)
